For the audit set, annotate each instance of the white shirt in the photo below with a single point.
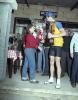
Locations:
(74, 43)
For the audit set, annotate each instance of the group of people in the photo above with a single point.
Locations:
(33, 41)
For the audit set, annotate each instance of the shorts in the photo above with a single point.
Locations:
(55, 51)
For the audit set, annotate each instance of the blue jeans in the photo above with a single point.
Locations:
(29, 62)
(41, 60)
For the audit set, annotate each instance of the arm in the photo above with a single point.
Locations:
(72, 45)
(24, 41)
(60, 28)
(63, 33)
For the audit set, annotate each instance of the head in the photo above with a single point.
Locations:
(49, 16)
(69, 32)
(31, 28)
(39, 27)
(11, 47)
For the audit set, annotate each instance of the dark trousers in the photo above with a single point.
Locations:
(16, 65)
(74, 72)
(47, 65)
(10, 66)
(66, 63)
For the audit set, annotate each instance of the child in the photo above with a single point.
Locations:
(10, 61)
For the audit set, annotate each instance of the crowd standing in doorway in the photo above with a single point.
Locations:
(62, 54)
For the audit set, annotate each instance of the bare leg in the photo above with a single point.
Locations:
(58, 65)
(51, 80)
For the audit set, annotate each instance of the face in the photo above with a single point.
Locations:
(69, 32)
(50, 19)
(31, 30)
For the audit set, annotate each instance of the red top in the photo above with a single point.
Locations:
(30, 41)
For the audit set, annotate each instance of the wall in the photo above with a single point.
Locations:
(64, 14)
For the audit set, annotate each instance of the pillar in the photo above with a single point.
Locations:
(5, 21)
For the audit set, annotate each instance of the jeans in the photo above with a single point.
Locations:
(41, 60)
(74, 73)
(29, 62)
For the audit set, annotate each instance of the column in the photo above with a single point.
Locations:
(5, 21)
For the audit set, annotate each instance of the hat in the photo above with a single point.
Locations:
(49, 14)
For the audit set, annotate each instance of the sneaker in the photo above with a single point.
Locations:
(34, 81)
(51, 80)
(58, 85)
(24, 79)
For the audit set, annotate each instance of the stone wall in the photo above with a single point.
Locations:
(64, 14)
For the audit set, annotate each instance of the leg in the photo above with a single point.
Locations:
(39, 61)
(10, 66)
(58, 51)
(74, 70)
(46, 70)
(69, 63)
(31, 62)
(52, 58)
(15, 66)
(43, 60)
(58, 65)
(25, 66)
(63, 63)
(52, 66)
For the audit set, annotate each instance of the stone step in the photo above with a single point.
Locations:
(42, 93)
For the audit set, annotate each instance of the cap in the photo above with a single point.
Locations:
(49, 14)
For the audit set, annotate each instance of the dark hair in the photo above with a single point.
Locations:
(29, 26)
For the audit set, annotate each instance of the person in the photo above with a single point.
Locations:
(66, 60)
(10, 60)
(55, 32)
(30, 46)
(40, 54)
(74, 55)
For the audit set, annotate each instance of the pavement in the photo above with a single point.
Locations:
(15, 89)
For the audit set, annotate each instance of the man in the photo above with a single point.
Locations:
(56, 32)
(66, 60)
(74, 55)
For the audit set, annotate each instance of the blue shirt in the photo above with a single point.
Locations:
(74, 43)
(59, 25)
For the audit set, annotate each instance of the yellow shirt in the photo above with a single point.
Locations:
(57, 41)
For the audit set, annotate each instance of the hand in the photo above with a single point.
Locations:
(39, 48)
(50, 40)
(71, 55)
(49, 35)
(24, 45)
(42, 41)
(34, 34)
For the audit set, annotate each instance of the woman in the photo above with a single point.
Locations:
(30, 45)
